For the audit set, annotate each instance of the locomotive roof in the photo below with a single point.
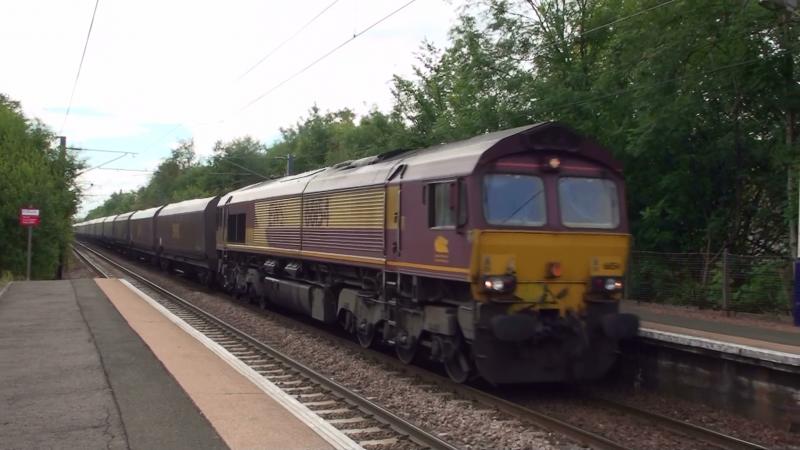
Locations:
(441, 161)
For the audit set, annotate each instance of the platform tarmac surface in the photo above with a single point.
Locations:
(74, 375)
(243, 414)
(783, 339)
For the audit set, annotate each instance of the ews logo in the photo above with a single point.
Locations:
(316, 213)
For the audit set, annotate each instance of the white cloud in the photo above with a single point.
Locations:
(173, 62)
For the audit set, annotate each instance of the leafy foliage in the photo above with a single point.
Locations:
(32, 173)
(698, 99)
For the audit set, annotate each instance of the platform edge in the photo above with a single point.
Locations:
(723, 347)
(5, 288)
(329, 433)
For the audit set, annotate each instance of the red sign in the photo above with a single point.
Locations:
(29, 217)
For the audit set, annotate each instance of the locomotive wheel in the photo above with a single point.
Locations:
(250, 296)
(406, 353)
(262, 303)
(348, 321)
(458, 367)
(366, 334)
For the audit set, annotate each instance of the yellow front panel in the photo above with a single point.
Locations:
(527, 254)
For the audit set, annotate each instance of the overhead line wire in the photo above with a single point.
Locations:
(358, 34)
(265, 57)
(285, 41)
(245, 169)
(102, 150)
(324, 56)
(80, 66)
(624, 18)
(101, 165)
(146, 171)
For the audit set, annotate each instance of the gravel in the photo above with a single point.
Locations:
(75, 269)
(709, 417)
(631, 431)
(464, 423)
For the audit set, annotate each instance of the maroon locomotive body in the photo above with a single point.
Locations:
(501, 256)
(484, 254)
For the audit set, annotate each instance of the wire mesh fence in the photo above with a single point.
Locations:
(754, 284)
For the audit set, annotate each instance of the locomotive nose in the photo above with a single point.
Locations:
(550, 270)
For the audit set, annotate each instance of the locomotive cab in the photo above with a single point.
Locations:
(549, 249)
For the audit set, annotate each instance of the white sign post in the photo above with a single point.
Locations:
(29, 217)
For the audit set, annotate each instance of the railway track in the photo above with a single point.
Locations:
(553, 423)
(706, 435)
(91, 265)
(366, 423)
(525, 414)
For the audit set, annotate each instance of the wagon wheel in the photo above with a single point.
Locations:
(204, 277)
(458, 367)
(366, 334)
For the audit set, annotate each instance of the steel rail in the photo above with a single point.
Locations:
(526, 415)
(709, 436)
(92, 266)
(398, 424)
(549, 422)
(555, 424)
(521, 413)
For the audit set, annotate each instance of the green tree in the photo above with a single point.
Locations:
(690, 97)
(695, 98)
(33, 173)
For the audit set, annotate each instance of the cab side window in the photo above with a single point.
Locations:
(236, 228)
(442, 208)
(439, 212)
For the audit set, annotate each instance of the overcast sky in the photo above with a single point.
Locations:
(157, 71)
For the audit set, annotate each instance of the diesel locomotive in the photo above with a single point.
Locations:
(501, 256)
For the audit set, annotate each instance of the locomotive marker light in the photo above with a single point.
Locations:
(29, 217)
(554, 269)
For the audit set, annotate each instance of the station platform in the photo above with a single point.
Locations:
(91, 364)
(741, 337)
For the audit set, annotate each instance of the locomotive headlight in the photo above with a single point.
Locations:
(607, 284)
(613, 284)
(499, 284)
(496, 285)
